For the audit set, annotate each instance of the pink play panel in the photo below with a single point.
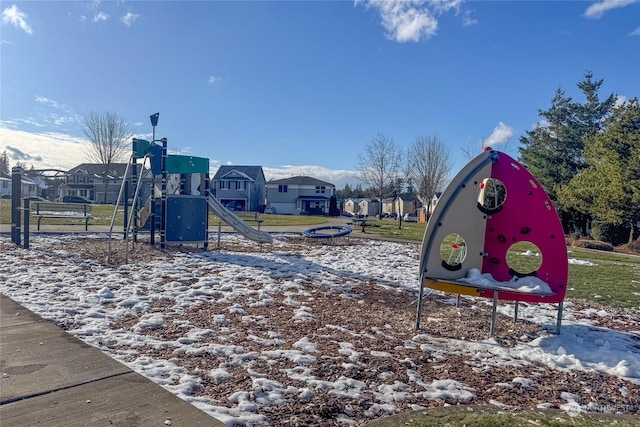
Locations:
(527, 215)
(492, 204)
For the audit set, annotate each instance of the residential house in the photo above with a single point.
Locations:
(405, 206)
(351, 205)
(92, 181)
(5, 186)
(240, 188)
(434, 202)
(369, 207)
(388, 205)
(299, 195)
(29, 187)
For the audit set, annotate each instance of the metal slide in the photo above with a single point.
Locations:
(238, 223)
(144, 213)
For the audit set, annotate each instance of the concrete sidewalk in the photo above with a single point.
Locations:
(52, 378)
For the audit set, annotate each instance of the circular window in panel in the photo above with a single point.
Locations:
(491, 195)
(453, 251)
(524, 259)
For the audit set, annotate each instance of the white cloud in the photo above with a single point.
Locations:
(467, 20)
(100, 16)
(213, 80)
(501, 134)
(635, 32)
(596, 10)
(43, 100)
(129, 19)
(61, 151)
(16, 154)
(620, 100)
(43, 150)
(411, 20)
(336, 177)
(13, 15)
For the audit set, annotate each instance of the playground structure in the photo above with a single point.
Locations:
(171, 197)
(174, 198)
(490, 208)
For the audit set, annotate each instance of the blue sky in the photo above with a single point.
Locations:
(300, 87)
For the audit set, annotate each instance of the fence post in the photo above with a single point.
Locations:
(16, 192)
(25, 212)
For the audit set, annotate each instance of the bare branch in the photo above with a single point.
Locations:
(379, 165)
(429, 163)
(108, 137)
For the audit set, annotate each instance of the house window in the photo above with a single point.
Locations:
(221, 185)
(283, 188)
(320, 189)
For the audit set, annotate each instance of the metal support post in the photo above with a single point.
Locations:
(207, 182)
(559, 319)
(163, 208)
(492, 331)
(16, 192)
(419, 309)
(25, 213)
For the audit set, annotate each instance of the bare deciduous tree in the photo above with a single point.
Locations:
(108, 137)
(379, 166)
(428, 166)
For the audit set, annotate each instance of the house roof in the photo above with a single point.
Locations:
(241, 172)
(236, 175)
(301, 180)
(25, 180)
(116, 170)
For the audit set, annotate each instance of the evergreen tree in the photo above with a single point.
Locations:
(5, 170)
(592, 114)
(345, 193)
(609, 188)
(333, 206)
(554, 151)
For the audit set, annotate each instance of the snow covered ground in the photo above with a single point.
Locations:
(312, 333)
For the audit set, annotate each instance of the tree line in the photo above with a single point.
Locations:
(419, 172)
(587, 157)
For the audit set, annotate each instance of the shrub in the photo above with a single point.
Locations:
(611, 233)
(630, 248)
(592, 244)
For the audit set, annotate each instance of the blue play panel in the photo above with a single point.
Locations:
(186, 220)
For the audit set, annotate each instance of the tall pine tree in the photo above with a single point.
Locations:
(609, 188)
(554, 151)
(4, 164)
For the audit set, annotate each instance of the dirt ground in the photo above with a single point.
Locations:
(394, 313)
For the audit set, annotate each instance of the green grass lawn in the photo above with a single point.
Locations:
(102, 216)
(493, 417)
